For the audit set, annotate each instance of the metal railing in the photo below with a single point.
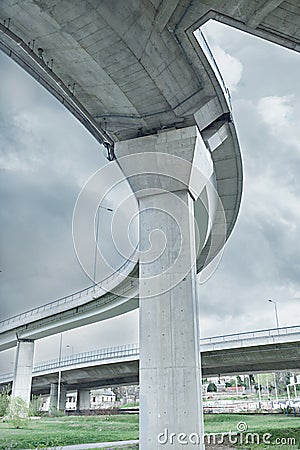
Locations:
(210, 57)
(88, 357)
(103, 354)
(271, 332)
(69, 298)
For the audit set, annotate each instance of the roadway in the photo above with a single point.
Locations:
(243, 353)
(88, 56)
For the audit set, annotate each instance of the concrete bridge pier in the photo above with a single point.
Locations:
(83, 400)
(54, 397)
(23, 369)
(170, 373)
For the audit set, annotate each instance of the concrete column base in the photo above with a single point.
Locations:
(53, 398)
(62, 398)
(23, 370)
(83, 400)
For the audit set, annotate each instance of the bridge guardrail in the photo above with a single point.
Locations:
(95, 355)
(209, 55)
(122, 351)
(272, 332)
(68, 298)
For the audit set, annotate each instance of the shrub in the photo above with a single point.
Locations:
(35, 405)
(4, 400)
(18, 413)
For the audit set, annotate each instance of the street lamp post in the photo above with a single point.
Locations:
(59, 368)
(59, 371)
(276, 390)
(97, 236)
(276, 312)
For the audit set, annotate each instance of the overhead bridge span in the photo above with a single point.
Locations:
(269, 350)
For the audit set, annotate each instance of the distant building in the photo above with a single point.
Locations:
(71, 401)
(102, 398)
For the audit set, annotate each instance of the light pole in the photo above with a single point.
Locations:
(96, 245)
(59, 371)
(276, 312)
(59, 368)
(276, 390)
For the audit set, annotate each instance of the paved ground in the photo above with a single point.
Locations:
(125, 445)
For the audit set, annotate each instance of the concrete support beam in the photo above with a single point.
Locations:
(170, 373)
(23, 370)
(261, 12)
(62, 398)
(170, 391)
(53, 397)
(83, 400)
(165, 12)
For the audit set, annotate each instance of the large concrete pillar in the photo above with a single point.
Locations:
(54, 397)
(170, 375)
(23, 370)
(160, 169)
(83, 400)
(62, 397)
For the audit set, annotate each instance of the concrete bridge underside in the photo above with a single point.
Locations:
(262, 358)
(129, 70)
(252, 352)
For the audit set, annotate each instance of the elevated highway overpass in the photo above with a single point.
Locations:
(268, 350)
(136, 77)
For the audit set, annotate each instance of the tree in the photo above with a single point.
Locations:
(4, 400)
(240, 382)
(251, 379)
(211, 387)
(18, 412)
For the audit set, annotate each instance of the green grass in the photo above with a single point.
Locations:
(131, 405)
(70, 430)
(217, 423)
(278, 426)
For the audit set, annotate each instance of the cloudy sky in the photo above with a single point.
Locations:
(44, 164)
